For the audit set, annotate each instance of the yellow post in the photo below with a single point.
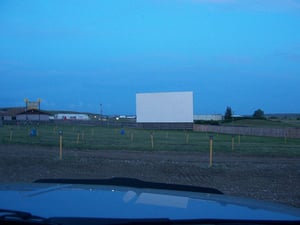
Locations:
(11, 134)
(187, 138)
(285, 138)
(232, 142)
(78, 136)
(60, 147)
(131, 137)
(60, 144)
(152, 141)
(210, 150)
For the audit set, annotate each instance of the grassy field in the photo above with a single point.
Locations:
(100, 138)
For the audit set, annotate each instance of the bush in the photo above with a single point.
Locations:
(259, 114)
(207, 122)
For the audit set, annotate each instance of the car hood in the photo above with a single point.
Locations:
(105, 201)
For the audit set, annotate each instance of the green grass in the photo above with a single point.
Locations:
(100, 138)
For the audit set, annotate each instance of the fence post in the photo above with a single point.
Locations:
(131, 137)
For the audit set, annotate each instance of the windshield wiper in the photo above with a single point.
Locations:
(21, 216)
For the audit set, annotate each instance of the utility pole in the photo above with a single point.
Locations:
(101, 111)
(39, 108)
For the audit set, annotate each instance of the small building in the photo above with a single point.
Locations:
(33, 115)
(212, 117)
(21, 114)
(9, 114)
(71, 116)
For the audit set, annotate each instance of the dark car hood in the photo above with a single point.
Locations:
(102, 201)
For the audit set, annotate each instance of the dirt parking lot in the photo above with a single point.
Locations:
(269, 178)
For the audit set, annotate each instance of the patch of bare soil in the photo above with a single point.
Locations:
(269, 178)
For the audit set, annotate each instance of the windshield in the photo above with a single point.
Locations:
(194, 92)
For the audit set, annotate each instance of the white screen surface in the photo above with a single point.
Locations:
(165, 107)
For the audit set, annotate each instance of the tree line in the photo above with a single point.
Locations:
(257, 114)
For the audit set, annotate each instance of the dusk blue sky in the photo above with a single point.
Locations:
(76, 55)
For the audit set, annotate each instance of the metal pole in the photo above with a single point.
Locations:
(39, 110)
(100, 111)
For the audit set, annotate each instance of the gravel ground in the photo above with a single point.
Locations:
(269, 178)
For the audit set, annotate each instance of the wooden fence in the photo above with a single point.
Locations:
(252, 131)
